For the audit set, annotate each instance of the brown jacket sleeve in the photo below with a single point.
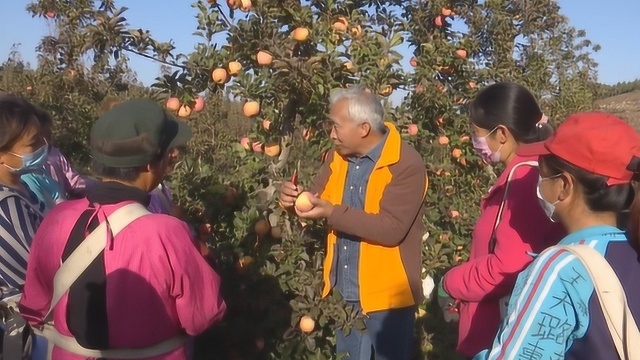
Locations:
(320, 181)
(401, 202)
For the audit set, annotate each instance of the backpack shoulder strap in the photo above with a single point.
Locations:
(492, 240)
(89, 249)
(613, 301)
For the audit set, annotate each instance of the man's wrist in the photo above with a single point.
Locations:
(330, 211)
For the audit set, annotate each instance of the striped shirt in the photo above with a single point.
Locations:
(19, 218)
(554, 312)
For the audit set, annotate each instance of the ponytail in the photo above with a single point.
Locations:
(512, 106)
(633, 219)
(543, 130)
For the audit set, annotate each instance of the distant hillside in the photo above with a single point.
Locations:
(627, 106)
(604, 91)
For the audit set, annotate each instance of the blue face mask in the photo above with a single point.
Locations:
(32, 161)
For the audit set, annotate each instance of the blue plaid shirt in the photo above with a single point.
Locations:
(347, 256)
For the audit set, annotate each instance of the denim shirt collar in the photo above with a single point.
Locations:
(373, 154)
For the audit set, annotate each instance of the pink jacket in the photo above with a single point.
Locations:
(158, 284)
(485, 278)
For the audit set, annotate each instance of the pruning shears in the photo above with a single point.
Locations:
(294, 177)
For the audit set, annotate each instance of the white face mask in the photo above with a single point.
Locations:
(549, 208)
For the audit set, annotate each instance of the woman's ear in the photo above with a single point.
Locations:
(502, 134)
(568, 186)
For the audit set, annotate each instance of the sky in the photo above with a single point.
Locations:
(615, 27)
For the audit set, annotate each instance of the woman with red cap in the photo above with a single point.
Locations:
(578, 299)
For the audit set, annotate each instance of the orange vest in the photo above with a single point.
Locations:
(381, 275)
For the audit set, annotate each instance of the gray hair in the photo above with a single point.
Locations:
(362, 106)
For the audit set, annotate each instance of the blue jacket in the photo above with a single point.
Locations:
(554, 312)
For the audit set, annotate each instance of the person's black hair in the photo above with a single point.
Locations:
(599, 197)
(512, 106)
(44, 118)
(17, 115)
(125, 174)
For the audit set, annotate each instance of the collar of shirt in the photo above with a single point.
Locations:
(111, 192)
(373, 154)
(599, 232)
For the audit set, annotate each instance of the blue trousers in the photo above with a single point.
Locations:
(389, 335)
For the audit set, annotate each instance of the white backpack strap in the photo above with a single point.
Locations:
(613, 301)
(74, 266)
(71, 345)
(492, 240)
(89, 249)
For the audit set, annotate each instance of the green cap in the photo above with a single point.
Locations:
(135, 132)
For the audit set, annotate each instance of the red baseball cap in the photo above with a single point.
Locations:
(595, 141)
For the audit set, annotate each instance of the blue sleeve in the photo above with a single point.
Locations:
(31, 180)
(46, 189)
(548, 310)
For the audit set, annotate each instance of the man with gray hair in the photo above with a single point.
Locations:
(370, 190)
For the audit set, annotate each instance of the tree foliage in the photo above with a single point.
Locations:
(271, 262)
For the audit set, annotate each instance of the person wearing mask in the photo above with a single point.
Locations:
(22, 150)
(371, 192)
(555, 312)
(504, 116)
(149, 289)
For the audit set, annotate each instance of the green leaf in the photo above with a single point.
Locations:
(396, 40)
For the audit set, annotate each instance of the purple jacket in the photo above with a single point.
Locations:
(72, 183)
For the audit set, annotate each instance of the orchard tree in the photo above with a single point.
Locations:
(257, 100)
